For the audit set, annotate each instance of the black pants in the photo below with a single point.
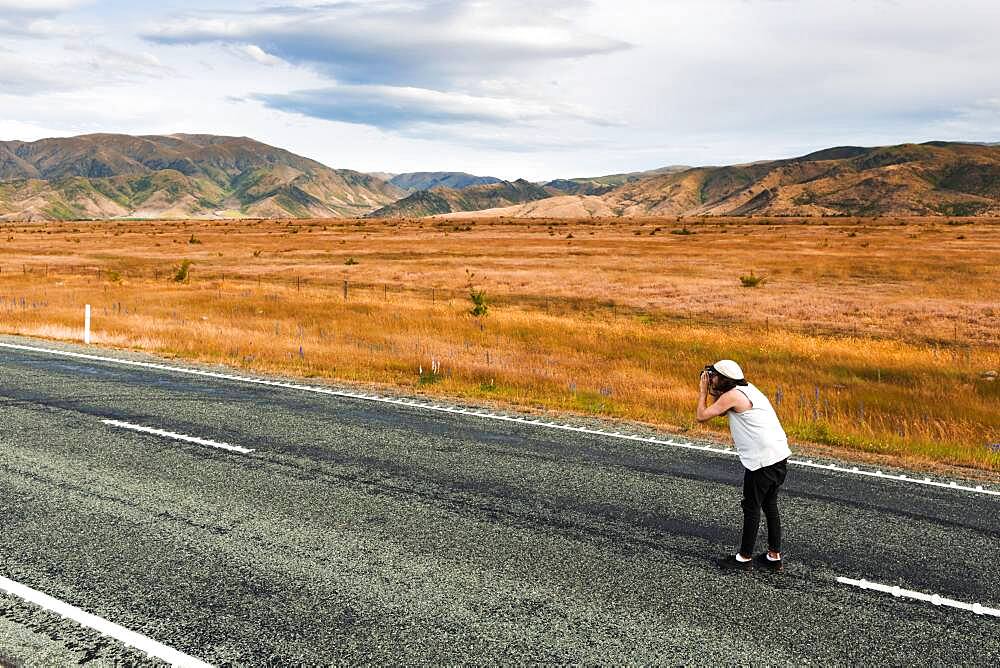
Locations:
(760, 490)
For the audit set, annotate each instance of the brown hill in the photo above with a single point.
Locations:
(937, 178)
(598, 185)
(207, 176)
(414, 181)
(101, 176)
(474, 198)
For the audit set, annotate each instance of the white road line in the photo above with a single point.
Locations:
(103, 626)
(977, 489)
(178, 437)
(854, 470)
(920, 596)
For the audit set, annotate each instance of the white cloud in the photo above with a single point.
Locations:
(109, 65)
(36, 27)
(398, 65)
(29, 19)
(396, 107)
(513, 88)
(258, 55)
(39, 6)
(18, 80)
(79, 66)
(426, 44)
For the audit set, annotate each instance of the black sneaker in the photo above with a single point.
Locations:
(761, 561)
(730, 564)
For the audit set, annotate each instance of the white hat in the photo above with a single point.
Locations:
(729, 369)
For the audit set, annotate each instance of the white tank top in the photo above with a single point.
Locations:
(757, 434)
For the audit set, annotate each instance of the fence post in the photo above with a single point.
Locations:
(86, 324)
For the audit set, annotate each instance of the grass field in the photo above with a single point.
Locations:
(878, 336)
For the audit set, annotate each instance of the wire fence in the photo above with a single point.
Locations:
(353, 289)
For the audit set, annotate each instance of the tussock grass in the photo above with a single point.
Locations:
(861, 348)
(751, 280)
(182, 271)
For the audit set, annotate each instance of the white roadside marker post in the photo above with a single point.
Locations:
(86, 324)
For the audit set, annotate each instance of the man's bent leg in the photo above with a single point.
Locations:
(773, 520)
(778, 471)
(751, 503)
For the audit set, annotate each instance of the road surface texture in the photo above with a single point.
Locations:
(365, 532)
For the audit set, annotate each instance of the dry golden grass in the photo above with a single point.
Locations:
(876, 334)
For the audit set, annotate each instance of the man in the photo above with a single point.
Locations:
(763, 450)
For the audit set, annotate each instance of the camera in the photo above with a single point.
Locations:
(710, 369)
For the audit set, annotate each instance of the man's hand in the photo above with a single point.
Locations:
(730, 399)
(703, 384)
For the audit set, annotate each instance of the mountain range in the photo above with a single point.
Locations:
(931, 179)
(936, 178)
(207, 176)
(441, 200)
(176, 176)
(414, 181)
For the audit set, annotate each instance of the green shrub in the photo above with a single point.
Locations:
(182, 272)
(479, 303)
(752, 281)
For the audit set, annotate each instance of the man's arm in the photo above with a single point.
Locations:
(721, 405)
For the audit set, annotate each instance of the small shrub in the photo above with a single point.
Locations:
(182, 272)
(350, 262)
(114, 276)
(751, 280)
(681, 231)
(256, 253)
(478, 297)
(479, 303)
(194, 240)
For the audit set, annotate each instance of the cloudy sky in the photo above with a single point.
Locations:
(511, 88)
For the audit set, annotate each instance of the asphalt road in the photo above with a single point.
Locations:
(364, 532)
